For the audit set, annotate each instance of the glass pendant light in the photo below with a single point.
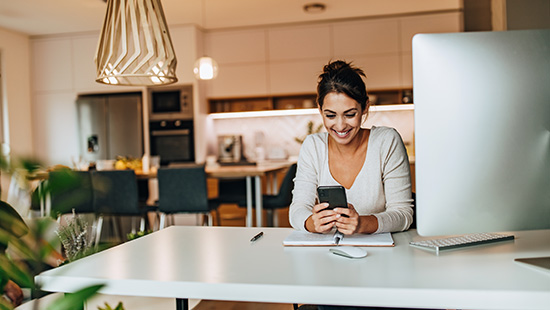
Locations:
(205, 68)
(134, 47)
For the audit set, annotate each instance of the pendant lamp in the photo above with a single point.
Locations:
(134, 47)
(205, 68)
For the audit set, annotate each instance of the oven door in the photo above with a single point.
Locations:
(173, 145)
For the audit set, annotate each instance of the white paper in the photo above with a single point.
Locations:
(302, 238)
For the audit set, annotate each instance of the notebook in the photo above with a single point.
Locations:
(303, 238)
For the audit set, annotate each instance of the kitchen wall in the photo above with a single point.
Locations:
(63, 67)
(280, 131)
(16, 92)
(278, 60)
(15, 89)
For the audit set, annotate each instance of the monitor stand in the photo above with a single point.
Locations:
(538, 262)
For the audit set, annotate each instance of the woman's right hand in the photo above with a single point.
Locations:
(322, 220)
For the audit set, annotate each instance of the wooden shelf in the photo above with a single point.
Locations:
(299, 101)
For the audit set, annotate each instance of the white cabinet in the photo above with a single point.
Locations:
(282, 60)
(239, 46)
(368, 37)
(249, 79)
(84, 67)
(55, 127)
(382, 71)
(184, 40)
(430, 23)
(292, 77)
(299, 42)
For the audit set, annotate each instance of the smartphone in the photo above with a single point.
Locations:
(334, 195)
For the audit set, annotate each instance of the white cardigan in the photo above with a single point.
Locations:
(382, 187)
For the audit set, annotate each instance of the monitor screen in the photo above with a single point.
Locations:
(482, 131)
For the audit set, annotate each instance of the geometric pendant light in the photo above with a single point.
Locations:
(134, 47)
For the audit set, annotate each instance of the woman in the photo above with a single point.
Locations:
(372, 164)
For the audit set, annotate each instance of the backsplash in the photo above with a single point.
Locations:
(279, 132)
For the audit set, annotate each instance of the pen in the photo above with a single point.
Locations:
(337, 237)
(258, 236)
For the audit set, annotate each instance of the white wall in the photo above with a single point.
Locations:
(62, 68)
(14, 48)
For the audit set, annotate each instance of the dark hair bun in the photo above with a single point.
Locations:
(338, 66)
(342, 77)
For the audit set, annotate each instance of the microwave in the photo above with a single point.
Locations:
(171, 103)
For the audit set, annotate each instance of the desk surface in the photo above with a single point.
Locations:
(220, 263)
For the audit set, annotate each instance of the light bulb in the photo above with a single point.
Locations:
(205, 68)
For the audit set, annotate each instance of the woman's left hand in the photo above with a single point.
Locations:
(349, 223)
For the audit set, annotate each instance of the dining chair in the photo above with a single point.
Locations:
(283, 198)
(116, 194)
(184, 190)
(70, 190)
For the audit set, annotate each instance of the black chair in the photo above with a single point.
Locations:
(184, 190)
(283, 198)
(70, 190)
(116, 194)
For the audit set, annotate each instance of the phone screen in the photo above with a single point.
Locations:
(334, 195)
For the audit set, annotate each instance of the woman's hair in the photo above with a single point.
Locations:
(341, 77)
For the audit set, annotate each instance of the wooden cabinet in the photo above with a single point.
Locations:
(299, 101)
(264, 103)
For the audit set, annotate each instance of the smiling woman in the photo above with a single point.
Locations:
(372, 164)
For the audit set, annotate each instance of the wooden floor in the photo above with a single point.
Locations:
(233, 215)
(238, 305)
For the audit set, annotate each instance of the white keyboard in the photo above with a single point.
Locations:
(461, 241)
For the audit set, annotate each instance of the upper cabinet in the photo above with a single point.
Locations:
(366, 37)
(299, 42)
(280, 60)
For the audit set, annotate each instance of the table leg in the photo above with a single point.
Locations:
(248, 201)
(259, 206)
(182, 304)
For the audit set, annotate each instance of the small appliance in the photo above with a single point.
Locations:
(230, 148)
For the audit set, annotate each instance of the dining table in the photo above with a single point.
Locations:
(267, 170)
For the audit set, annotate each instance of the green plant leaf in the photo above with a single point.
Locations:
(11, 221)
(75, 301)
(5, 305)
(16, 273)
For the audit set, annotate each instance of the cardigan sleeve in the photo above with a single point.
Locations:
(305, 184)
(396, 179)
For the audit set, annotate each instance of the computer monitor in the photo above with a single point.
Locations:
(482, 131)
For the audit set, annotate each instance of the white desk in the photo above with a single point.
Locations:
(219, 263)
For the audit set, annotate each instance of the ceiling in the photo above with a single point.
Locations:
(48, 17)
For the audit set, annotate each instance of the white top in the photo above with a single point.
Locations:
(220, 263)
(382, 187)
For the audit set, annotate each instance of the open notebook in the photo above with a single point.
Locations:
(302, 238)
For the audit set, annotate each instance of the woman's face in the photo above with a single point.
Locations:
(342, 117)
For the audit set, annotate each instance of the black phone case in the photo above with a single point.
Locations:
(334, 195)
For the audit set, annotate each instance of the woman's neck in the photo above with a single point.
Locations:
(355, 145)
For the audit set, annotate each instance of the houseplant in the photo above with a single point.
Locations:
(30, 251)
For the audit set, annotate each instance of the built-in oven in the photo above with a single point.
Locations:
(172, 140)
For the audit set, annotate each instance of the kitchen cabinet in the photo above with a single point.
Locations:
(277, 60)
(366, 37)
(387, 97)
(299, 42)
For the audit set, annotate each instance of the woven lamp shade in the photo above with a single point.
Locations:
(134, 47)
